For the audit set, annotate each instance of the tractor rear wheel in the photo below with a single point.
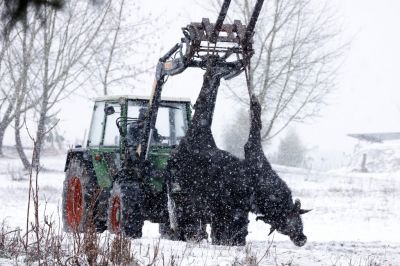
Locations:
(80, 199)
(125, 214)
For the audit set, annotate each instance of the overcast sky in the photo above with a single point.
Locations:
(367, 99)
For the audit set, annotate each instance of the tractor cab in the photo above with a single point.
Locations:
(115, 115)
(117, 125)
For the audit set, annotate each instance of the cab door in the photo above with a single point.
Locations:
(104, 142)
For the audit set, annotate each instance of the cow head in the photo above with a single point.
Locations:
(288, 222)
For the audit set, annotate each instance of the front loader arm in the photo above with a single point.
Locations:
(202, 42)
(165, 67)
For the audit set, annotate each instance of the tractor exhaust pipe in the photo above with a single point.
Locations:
(220, 21)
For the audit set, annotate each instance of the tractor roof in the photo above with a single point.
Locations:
(137, 97)
(376, 137)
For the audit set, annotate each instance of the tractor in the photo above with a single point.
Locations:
(91, 171)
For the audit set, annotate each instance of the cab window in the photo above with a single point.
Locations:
(171, 124)
(111, 132)
(96, 127)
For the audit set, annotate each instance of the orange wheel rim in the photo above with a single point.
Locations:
(116, 214)
(74, 206)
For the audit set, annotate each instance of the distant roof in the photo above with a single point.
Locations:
(376, 137)
(137, 97)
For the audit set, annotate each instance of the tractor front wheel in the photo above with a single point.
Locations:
(125, 209)
(80, 196)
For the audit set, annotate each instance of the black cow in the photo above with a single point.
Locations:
(272, 197)
(210, 185)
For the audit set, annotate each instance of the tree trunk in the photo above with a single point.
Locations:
(21, 99)
(2, 132)
(3, 128)
(40, 134)
(41, 128)
(18, 142)
(5, 122)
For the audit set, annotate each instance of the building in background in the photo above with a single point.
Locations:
(376, 152)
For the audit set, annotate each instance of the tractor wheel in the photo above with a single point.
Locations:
(80, 199)
(230, 229)
(125, 209)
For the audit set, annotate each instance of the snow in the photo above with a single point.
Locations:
(355, 219)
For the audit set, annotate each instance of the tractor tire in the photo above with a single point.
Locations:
(80, 202)
(125, 214)
(230, 229)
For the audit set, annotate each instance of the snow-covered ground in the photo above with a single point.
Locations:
(355, 220)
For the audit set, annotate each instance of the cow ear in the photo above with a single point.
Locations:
(297, 204)
(304, 211)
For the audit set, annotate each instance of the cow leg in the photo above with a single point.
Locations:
(272, 197)
(190, 166)
(199, 132)
(253, 148)
(265, 181)
(224, 193)
(229, 224)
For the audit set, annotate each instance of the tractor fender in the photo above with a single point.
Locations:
(82, 154)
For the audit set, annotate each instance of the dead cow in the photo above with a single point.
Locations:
(272, 197)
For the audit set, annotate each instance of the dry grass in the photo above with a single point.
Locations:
(90, 248)
(53, 247)
(10, 244)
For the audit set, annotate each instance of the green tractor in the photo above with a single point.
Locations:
(94, 190)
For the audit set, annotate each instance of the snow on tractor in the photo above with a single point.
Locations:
(147, 159)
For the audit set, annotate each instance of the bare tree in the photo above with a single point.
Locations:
(291, 150)
(17, 60)
(58, 51)
(7, 96)
(295, 61)
(122, 60)
(67, 45)
(6, 105)
(50, 61)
